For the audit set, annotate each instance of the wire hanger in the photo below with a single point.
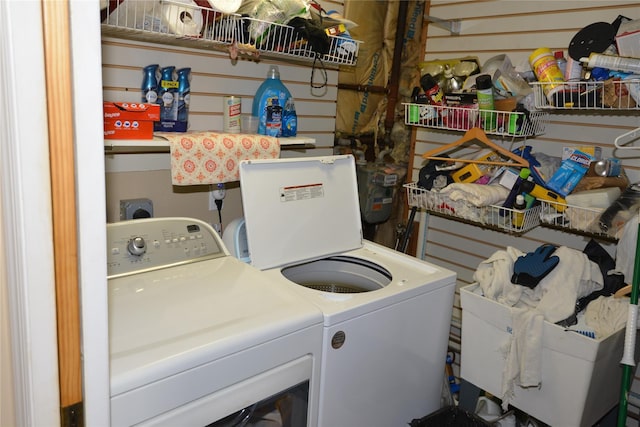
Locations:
(476, 135)
(625, 138)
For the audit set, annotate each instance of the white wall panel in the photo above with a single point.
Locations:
(517, 28)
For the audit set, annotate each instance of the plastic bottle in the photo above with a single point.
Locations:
(515, 190)
(517, 219)
(184, 93)
(150, 84)
(289, 119)
(610, 62)
(484, 93)
(274, 119)
(272, 88)
(434, 96)
(546, 69)
(434, 93)
(168, 91)
(561, 61)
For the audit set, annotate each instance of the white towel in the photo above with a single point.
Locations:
(476, 194)
(606, 315)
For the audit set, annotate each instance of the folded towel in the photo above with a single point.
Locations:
(476, 194)
(210, 158)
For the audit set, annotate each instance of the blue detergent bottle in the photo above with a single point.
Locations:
(150, 84)
(272, 88)
(167, 96)
(184, 93)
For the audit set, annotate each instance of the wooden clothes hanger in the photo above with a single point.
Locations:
(477, 135)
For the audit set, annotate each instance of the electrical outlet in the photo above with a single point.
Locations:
(218, 194)
(212, 202)
(136, 209)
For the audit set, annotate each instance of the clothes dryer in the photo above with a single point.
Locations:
(386, 314)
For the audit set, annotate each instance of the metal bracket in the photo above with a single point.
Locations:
(72, 415)
(453, 25)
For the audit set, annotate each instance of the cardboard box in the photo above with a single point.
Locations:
(170, 126)
(581, 376)
(124, 120)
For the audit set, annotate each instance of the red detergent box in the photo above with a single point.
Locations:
(129, 120)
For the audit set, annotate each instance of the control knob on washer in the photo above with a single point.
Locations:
(137, 246)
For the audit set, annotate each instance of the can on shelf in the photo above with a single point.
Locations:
(231, 112)
(545, 67)
(608, 167)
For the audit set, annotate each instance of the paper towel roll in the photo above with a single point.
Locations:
(182, 20)
(225, 6)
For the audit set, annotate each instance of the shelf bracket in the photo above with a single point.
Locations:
(453, 25)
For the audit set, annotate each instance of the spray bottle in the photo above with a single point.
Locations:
(168, 91)
(289, 119)
(184, 93)
(150, 84)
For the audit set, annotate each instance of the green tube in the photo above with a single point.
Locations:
(627, 370)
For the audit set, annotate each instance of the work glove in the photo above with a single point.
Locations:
(530, 269)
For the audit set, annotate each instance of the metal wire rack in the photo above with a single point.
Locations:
(190, 25)
(492, 216)
(602, 95)
(504, 123)
(576, 220)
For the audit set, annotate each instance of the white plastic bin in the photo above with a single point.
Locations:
(580, 375)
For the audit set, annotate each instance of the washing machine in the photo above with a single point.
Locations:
(199, 338)
(386, 314)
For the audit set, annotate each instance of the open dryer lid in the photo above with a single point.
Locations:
(300, 209)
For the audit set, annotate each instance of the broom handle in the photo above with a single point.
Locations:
(628, 361)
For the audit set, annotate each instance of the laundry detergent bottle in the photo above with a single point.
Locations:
(271, 89)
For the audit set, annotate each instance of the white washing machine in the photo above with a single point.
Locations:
(386, 314)
(198, 338)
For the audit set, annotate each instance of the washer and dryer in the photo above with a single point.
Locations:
(199, 338)
(386, 314)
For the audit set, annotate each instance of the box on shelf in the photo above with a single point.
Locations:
(170, 126)
(580, 375)
(125, 120)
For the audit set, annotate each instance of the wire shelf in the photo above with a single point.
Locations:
(603, 95)
(504, 123)
(576, 220)
(494, 217)
(175, 22)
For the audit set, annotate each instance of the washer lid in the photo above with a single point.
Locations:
(300, 209)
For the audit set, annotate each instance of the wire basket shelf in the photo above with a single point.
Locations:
(495, 217)
(179, 23)
(602, 95)
(577, 220)
(504, 123)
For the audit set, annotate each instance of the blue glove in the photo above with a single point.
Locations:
(530, 269)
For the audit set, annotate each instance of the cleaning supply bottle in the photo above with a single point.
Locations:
(289, 119)
(150, 83)
(484, 93)
(274, 119)
(517, 220)
(184, 93)
(168, 91)
(272, 88)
